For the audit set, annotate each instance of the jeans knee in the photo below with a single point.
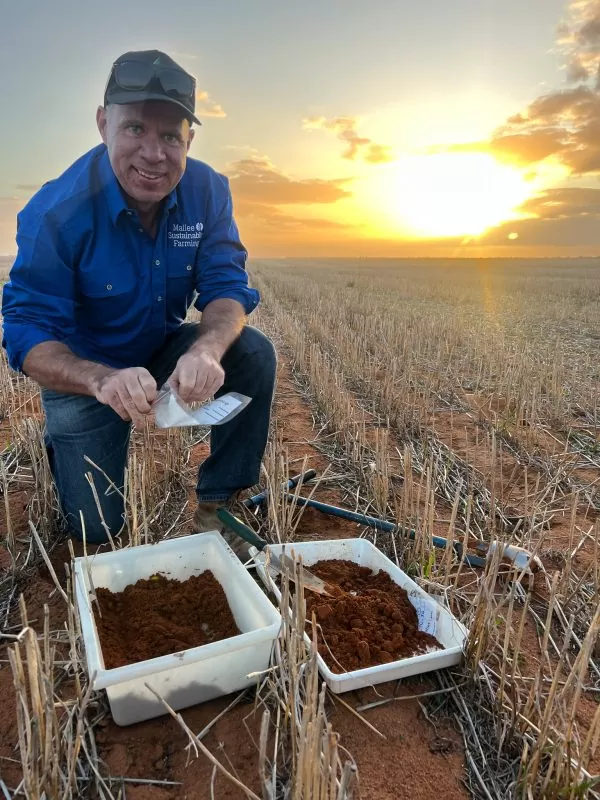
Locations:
(262, 352)
(73, 417)
(94, 526)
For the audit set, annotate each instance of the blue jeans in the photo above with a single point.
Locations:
(79, 426)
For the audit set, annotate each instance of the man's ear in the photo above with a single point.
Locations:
(190, 139)
(101, 122)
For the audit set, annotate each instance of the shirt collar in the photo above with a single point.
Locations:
(114, 195)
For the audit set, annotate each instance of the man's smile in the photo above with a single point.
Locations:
(149, 176)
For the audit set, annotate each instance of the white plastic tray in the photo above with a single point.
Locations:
(433, 617)
(190, 676)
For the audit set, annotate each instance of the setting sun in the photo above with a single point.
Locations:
(454, 194)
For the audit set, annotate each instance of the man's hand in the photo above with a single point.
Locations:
(198, 375)
(129, 392)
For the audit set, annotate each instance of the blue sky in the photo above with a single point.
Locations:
(410, 74)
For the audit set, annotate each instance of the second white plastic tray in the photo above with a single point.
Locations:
(433, 617)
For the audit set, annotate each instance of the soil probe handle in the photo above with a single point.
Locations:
(242, 530)
(302, 478)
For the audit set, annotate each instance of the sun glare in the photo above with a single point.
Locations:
(454, 194)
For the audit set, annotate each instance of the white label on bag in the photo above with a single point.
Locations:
(215, 411)
(171, 412)
(427, 612)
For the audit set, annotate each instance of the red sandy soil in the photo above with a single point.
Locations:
(509, 479)
(159, 616)
(367, 620)
(415, 759)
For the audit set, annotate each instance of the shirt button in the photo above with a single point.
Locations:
(109, 286)
(141, 230)
(157, 262)
(159, 298)
(189, 267)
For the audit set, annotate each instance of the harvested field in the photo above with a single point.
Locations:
(454, 399)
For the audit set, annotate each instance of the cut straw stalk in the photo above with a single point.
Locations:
(39, 733)
(47, 561)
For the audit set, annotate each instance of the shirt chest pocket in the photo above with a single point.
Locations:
(106, 296)
(181, 278)
(182, 265)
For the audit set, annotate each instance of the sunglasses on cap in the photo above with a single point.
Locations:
(136, 76)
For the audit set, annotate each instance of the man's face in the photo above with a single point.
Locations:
(147, 145)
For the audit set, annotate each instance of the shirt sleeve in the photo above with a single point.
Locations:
(38, 302)
(222, 257)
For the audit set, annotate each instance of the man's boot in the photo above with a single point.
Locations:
(206, 519)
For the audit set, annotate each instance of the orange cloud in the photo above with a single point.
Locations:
(345, 130)
(260, 190)
(206, 107)
(273, 219)
(566, 123)
(559, 107)
(515, 148)
(579, 37)
(378, 154)
(257, 180)
(571, 234)
(566, 217)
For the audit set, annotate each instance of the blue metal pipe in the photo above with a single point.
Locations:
(381, 525)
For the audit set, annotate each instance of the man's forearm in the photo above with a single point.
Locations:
(222, 323)
(54, 366)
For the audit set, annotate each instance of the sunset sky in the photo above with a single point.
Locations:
(469, 127)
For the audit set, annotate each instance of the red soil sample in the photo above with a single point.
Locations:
(367, 621)
(158, 616)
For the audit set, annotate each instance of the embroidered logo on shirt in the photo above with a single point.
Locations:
(182, 235)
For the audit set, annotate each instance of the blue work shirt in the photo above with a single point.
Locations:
(87, 273)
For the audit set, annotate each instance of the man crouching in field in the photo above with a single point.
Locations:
(110, 257)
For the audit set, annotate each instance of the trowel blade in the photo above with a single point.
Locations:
(311, 582)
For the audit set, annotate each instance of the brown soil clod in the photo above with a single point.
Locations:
(158, 616)
(368, 620)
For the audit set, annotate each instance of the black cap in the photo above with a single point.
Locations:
(151, 75)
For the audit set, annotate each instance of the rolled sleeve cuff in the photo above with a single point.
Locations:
(18, 340)
(248, 298)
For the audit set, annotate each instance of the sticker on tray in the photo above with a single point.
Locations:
(427, 613)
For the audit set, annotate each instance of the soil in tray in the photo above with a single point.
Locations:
(158, 616)
(367, 621)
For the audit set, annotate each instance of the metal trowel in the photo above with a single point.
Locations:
(278, 563)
